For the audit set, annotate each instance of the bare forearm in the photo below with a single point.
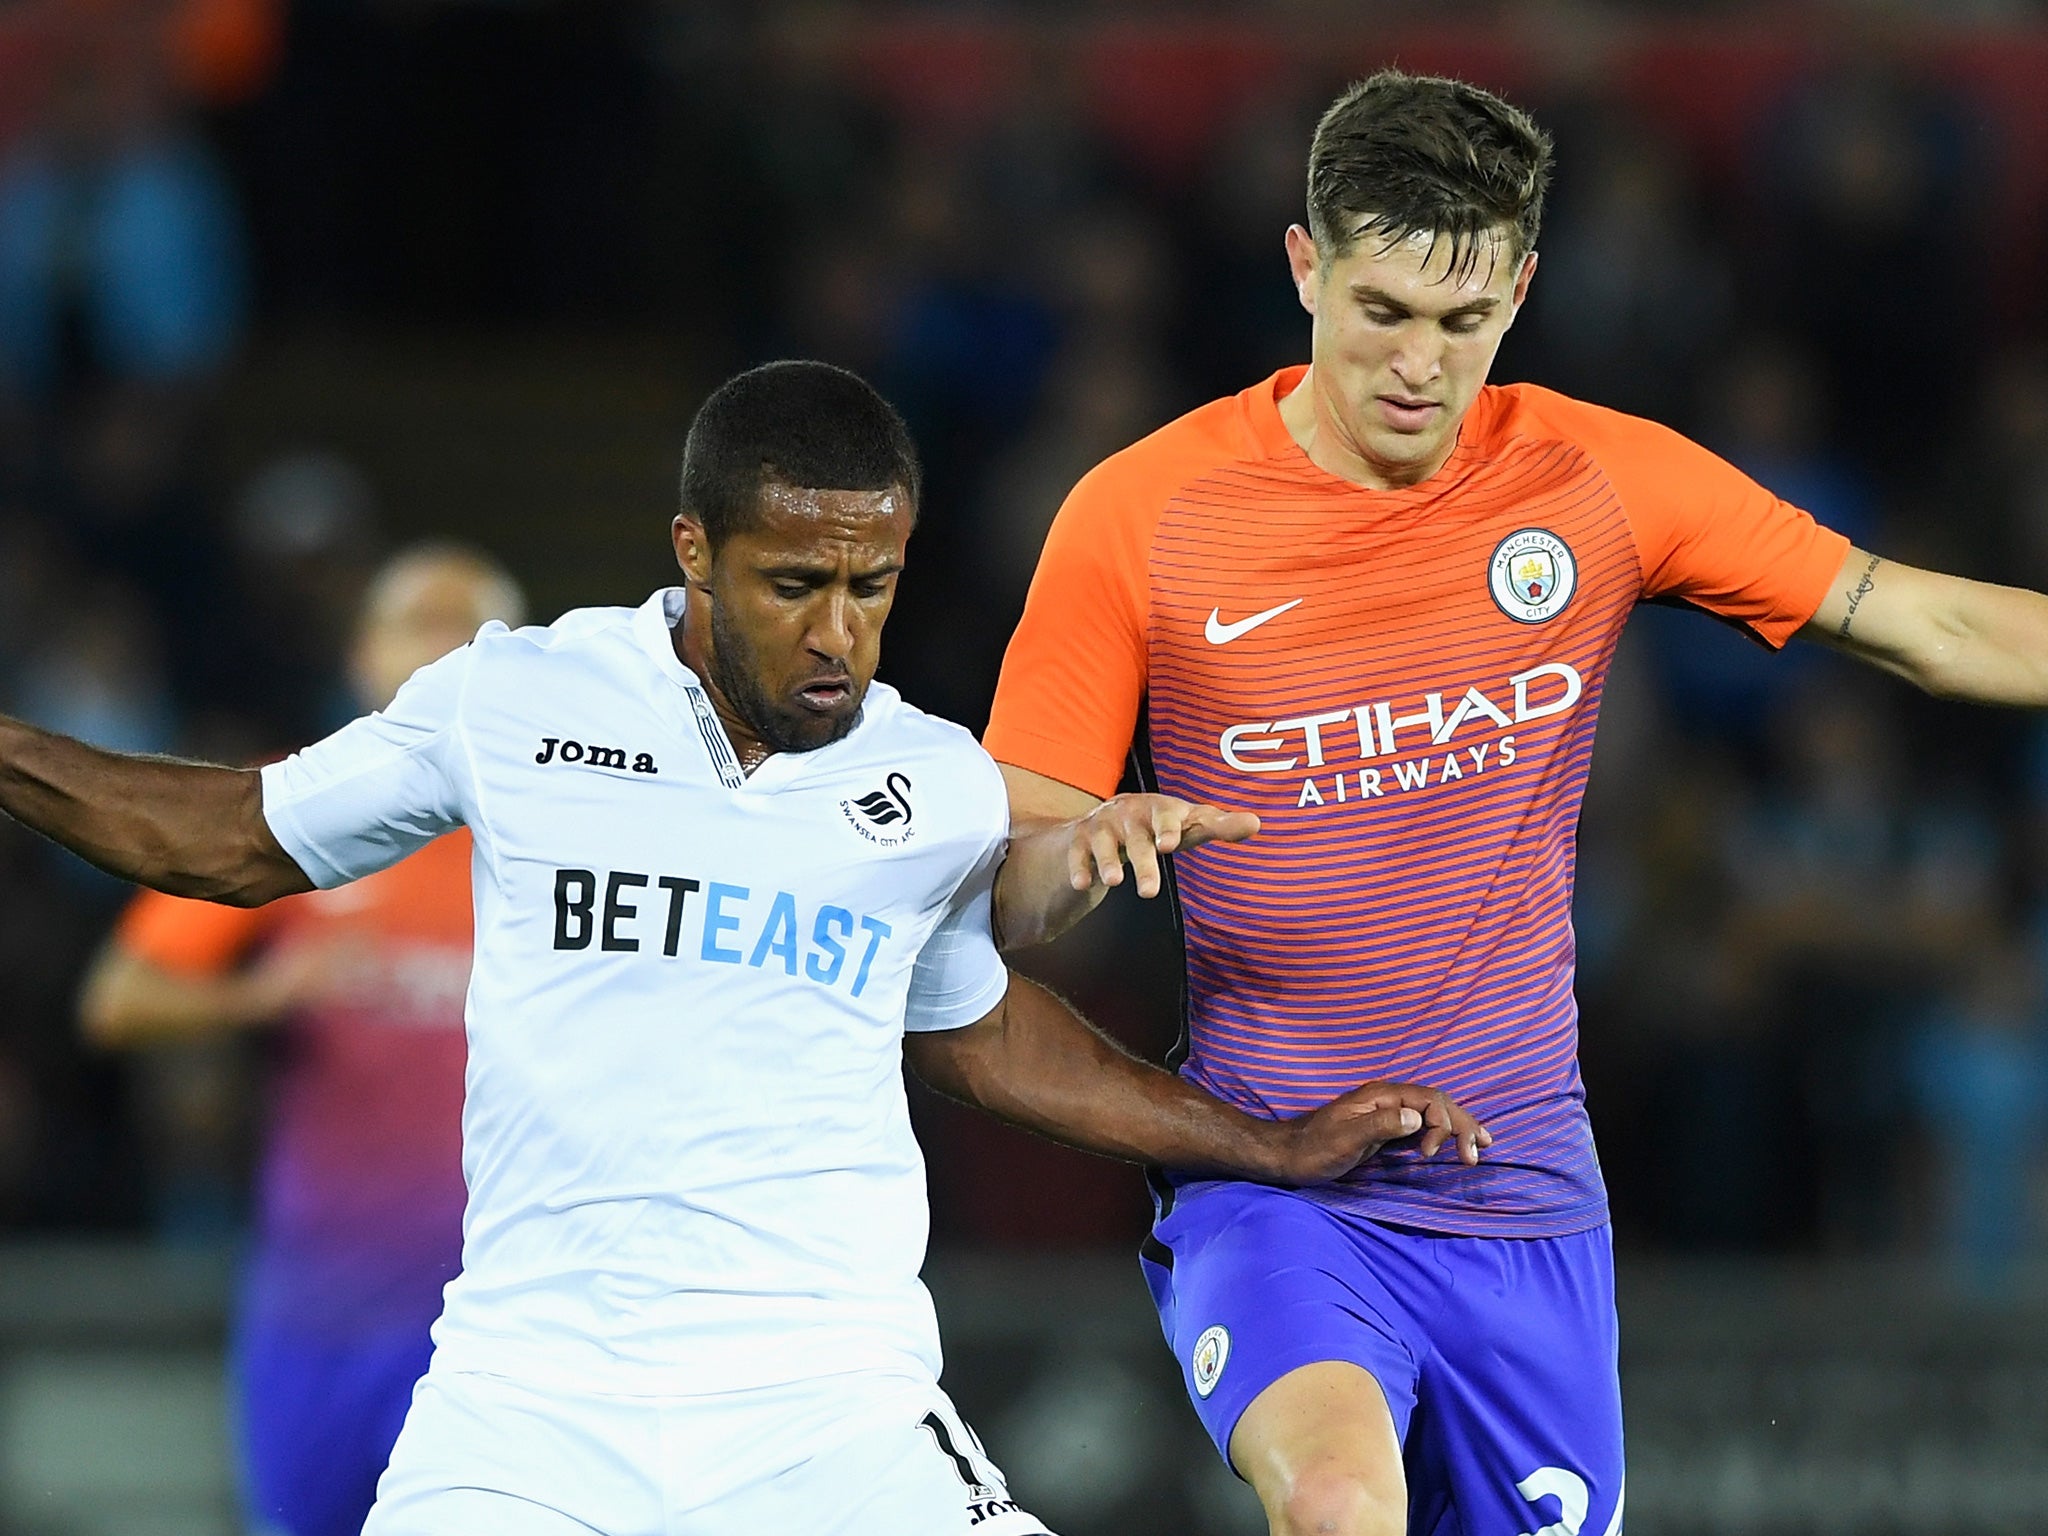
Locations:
(1996, 651)
(187, 828)
(129, 1002)
(1035, 898)
(1955, 638)
(1041, 1066)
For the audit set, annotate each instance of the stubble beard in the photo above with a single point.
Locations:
(777, 726)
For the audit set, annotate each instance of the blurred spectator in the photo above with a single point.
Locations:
(1859, 892)
(1767, 413)
(1241, 318)
(122, 274)
(1872, 184)
(1630, 293)
(361, 1193)
(1979, 1069)
(1995, 508)
(1699, 1138)
(972, 334)
(305, 541)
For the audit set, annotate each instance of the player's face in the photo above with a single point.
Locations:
(796, 602)
(1404, 335)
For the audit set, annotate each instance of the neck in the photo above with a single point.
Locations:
(692, 640)
(1319, 431)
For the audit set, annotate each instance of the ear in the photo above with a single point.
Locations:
(1302, 261)
(1522, 280)
(693, 549)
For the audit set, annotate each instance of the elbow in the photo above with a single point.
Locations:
(248, 875)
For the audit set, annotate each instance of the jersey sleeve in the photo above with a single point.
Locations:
(1711, 537)
(192, 938)
(959, 977)
(380, 787)
(1067, 703)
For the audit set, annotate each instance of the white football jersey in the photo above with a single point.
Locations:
(689, 1155)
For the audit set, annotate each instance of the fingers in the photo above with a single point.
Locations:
(1211, 824)
(1381, 1126)
(1442, 1120)
(1080, 868)
(1472, 1136)
(1437, 1126)
(1104, 848)
(1137, 829)
(1168, 817)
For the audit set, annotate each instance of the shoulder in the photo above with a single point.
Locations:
(579, 628)
(583, 639)
(1510, 414)
(951, 759)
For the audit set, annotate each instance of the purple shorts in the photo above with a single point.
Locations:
(316, 1416)
(1498, 1356)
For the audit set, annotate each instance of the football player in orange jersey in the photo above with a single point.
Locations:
(359, 1219)
(1372, 601)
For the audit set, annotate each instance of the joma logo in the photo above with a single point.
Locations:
(555, 749)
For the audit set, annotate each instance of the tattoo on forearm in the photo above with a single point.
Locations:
(1863, 586)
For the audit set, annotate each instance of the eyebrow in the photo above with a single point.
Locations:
(1367, 293)
(793, 572)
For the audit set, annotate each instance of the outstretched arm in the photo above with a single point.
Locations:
(1036, 1063)
(187, 828)
(1067, 849)
(127, 1000)
(1955, 638)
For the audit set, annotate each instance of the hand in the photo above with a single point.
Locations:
(306, 975)
(1346, 1131)
(1137, 829)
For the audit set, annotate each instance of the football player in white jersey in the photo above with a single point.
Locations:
(725, 884)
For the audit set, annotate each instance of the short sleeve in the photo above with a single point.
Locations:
(1709, 536)
(959, 977)
(380, 787)
(192, 938)
(1067, 703)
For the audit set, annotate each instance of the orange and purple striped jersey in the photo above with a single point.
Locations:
(360, 1197)
(1403, 685)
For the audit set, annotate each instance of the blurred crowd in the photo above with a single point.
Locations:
(1813, 908)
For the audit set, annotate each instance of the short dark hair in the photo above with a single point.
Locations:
(1399, 153)
(800, 422)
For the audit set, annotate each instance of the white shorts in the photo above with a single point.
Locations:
(850, 1456)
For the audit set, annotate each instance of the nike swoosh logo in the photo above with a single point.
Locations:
(1220, 633)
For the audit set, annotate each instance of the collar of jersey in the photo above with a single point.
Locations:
(1270, 430)
(654, 626)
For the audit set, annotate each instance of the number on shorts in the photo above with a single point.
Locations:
(1569, 1489)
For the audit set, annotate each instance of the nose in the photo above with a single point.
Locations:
(1419, 360)
(831, 633)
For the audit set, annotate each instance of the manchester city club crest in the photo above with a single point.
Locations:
(1532, 575)
(1212, 1349)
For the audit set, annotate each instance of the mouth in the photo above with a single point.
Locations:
(1407, 413)
(825, 695)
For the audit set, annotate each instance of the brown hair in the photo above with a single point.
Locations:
(1400, 153)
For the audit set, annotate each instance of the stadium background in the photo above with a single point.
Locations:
(282, 287)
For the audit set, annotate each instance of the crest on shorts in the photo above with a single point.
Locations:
(1532, 575)
(1212, 1350)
